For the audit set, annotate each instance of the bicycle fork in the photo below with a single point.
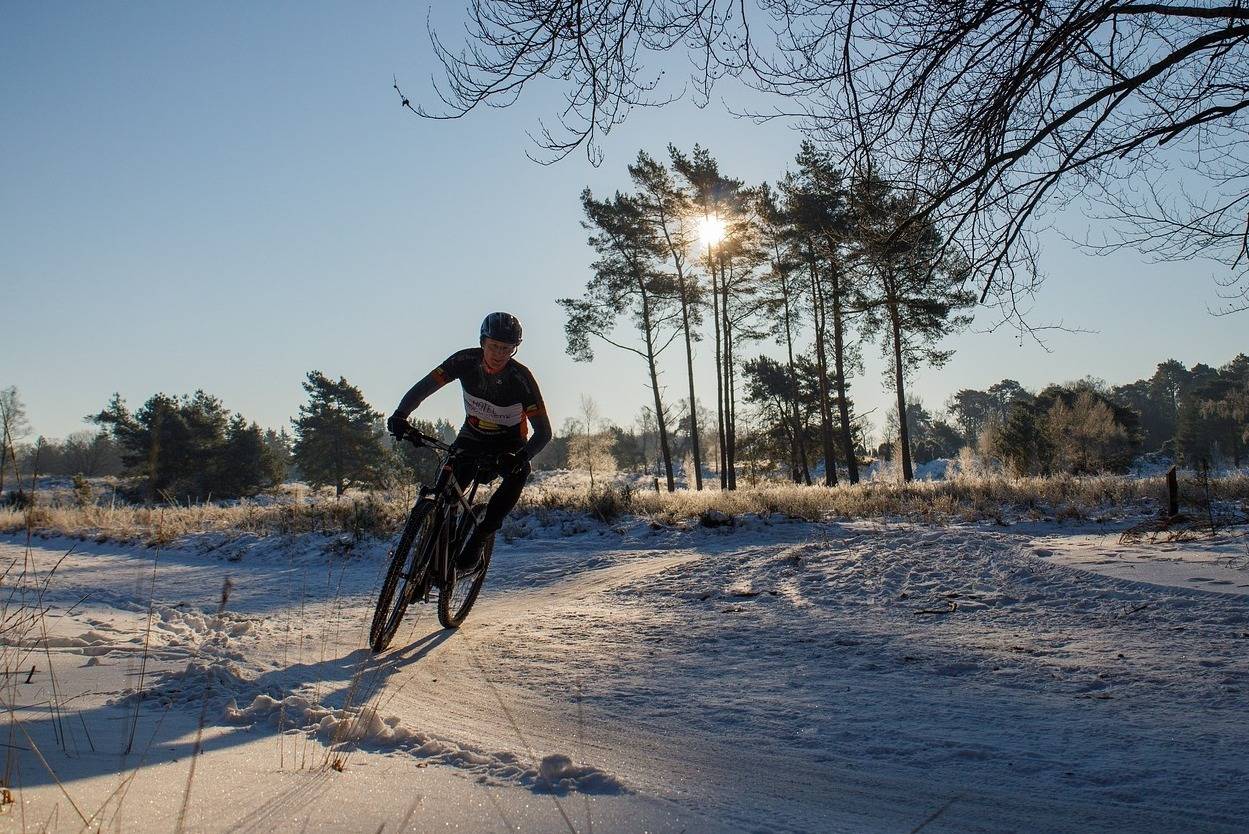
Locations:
(421, 584)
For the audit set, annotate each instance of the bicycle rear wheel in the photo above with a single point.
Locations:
(456, 596)
(407, 568)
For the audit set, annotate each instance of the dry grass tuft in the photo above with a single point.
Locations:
(361, 517)
(372, 515)
(988, 497)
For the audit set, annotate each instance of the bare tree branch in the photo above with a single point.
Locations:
(995, 113)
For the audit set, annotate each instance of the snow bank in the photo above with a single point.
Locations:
(365, 727)
(193, 684)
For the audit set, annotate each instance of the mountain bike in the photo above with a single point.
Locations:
(441, 520)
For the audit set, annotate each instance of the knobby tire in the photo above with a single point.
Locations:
(456, 597)
(394, 596)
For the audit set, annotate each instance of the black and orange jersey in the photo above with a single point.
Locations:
(499, 407)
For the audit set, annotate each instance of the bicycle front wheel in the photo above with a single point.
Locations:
(457, 595)
(407, 568)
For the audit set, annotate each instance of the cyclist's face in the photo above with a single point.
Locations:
(496, 353)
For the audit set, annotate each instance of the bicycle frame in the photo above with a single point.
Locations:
(455, 504)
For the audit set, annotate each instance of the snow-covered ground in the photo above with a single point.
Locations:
(772, 676)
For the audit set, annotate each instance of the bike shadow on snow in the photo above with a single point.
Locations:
(89, 743)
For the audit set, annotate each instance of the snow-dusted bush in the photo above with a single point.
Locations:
(969, 464)
(1074, 431)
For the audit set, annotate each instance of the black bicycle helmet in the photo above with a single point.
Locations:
(502, 327)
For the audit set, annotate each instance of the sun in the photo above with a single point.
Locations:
(711, 230)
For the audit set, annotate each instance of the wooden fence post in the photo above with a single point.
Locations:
(1173, 494)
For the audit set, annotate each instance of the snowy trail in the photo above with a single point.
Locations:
(795, 677)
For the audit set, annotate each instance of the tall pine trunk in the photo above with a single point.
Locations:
(689, 368)
(664, 448)
(678, 262)
(821, 362)
(730, 422)
(659, 406)
(791, 431)
(715, 302)
(904, 434)
(839, 358)
(798, 440)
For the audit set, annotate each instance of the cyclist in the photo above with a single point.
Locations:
(501, 398)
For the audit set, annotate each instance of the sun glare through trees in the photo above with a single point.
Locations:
(710, 230)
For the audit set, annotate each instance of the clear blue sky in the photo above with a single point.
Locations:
(226, 196)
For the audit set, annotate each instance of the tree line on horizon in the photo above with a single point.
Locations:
(1194, 417)
(191, 448)
(188, 448)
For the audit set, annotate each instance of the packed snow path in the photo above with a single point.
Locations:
(769, 677)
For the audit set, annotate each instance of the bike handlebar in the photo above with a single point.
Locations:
(418, 439)
(493, 462)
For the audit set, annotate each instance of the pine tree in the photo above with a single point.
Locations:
(701, 175)
(974, 411)
(667, 205)
(931, 437)
(815, 216)
(770, 387)
(338, 437)
(781, 297)
(206, 420)
(1066, 429)
(730, 263)
(971, 411)
(279, 444)
(913, 296)
(626, 280)
(1212, 422)
(822, 224)
(245, 465)
(741, 255)
(1015, 441)
(1084, 437)
(171, 443)
(181, 448)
